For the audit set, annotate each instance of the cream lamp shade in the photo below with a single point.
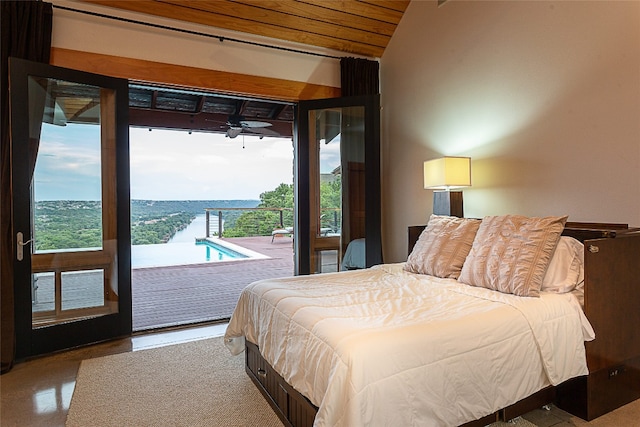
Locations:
(447, 173)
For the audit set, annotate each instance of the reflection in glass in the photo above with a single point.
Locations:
(339, 204)
(43, 292)
(330, 173)
(353, 174)
(327, 261)
(82, 289)
(67, 176)
(69, 146)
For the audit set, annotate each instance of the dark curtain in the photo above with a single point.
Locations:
(26, 33)
(359, 77)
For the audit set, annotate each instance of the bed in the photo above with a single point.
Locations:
(393, 345)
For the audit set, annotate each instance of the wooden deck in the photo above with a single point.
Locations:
(177, 295)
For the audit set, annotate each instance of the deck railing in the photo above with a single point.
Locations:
(216, 228)
(283, 218)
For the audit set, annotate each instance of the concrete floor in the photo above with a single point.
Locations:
(38, 392)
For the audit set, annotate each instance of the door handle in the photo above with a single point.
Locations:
(20, 245)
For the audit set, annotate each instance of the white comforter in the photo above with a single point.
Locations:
(382, 346)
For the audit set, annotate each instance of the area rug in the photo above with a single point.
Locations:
(193, 384)
(517, 422)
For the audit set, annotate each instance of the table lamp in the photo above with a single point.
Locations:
(443, 175)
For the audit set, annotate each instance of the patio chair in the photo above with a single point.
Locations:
(281, 232)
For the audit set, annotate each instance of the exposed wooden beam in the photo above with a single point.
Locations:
(191, 77)
(201, 100)
(277, 109)
(205, 122)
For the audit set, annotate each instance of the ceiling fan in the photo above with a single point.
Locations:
(238, 124)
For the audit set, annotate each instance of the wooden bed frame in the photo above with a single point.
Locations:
(612, 296)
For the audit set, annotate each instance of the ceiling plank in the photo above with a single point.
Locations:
(361, 8)
(247, 15)
(301, 9)
(397, 5)
(291, 20)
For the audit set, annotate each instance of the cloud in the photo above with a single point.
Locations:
(164, 165)
(68, 163)
(176, 165)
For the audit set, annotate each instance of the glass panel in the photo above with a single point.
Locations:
(69, 149)
(82, 289)
(330, 170)
(43, 292)
(341, 166)
(70, 199)
(339, 205)
(353, 174)
(67, 188)
(349, 126)
(326, 261)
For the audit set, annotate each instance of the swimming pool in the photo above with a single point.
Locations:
(187, 253)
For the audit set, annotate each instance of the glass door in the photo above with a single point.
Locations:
(70, 207)
(338, 184)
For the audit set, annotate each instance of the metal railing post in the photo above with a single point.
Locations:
(252, 228)
(207, 233)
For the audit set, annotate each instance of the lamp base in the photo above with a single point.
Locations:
(448, 203)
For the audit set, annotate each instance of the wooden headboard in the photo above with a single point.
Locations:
(578, 230)
(612, 305)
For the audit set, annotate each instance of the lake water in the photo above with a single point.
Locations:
(182, 248)
(197, 229)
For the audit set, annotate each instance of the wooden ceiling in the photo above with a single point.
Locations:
(356, 27)
(165, 108)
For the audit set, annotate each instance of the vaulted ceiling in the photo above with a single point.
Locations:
(357, 27)
(353, 27)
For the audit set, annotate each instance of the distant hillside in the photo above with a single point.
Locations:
(196, 207)
(157, 221)
(64, 224)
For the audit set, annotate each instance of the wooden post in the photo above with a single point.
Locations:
(207, 233)
(219, 223)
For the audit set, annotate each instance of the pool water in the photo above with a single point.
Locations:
(181, 254)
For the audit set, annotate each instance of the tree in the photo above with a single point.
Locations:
(331, 203)
(263, 222)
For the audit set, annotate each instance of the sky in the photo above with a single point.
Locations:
(176, 165)
(68, 163)
(164, 165)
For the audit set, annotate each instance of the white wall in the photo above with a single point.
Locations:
(544, 97)
(76, 31)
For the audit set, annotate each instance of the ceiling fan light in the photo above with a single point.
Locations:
(233, 132)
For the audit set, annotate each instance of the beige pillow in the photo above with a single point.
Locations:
(566, 268)
(511, 253)
(442, 246)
